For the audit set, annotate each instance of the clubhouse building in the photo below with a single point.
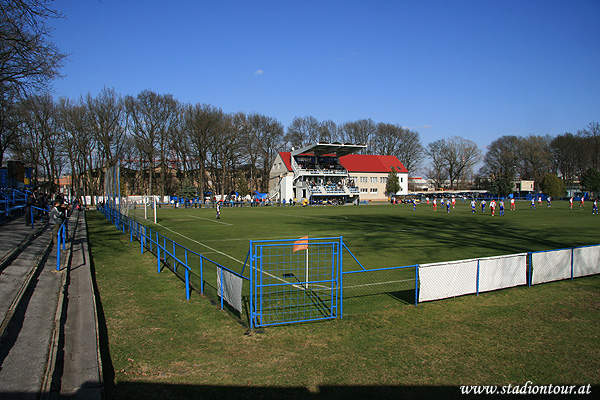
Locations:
(332, 172)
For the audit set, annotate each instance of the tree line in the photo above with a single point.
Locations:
(168, 147)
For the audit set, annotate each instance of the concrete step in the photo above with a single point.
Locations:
(34, 314)
(25, 352)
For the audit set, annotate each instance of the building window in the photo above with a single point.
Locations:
(383, 179)
(401, 179)
(373, 190)
(363, 179)
(373, 179)
(363, 190)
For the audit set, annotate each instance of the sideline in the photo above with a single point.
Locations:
(211, 220)
(226, 255)
(202, 244)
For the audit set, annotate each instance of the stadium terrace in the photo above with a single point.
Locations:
(333, 173)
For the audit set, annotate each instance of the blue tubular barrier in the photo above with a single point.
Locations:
(167, 251)
(60, 239)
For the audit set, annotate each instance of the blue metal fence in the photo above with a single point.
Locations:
(12, 202)
(187, 264)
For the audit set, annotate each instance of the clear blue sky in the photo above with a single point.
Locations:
(479, 69)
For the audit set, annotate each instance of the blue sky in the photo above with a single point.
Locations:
(475, 69)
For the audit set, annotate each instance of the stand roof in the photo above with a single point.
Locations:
(339, 149)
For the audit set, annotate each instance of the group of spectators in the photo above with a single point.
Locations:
(40, 205)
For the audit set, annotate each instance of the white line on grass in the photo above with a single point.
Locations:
(378, 283)
(211, 220)
(289, 215)
(202, 244)
(226, 255)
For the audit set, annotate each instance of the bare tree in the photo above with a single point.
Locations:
(303, 131)
(153, 118)
(410, 151)
(38, 139)
(502, 157)
(8, 118)
(436, 171)
(592, 133)
(106, 119)
(201, 126)
(567, 151)
(359, 132)
(386, 139)
(225, 154)
(461, 155)
(28, 59)
(535, 157)
(69, 118)
(328, 131)
(271, 141)
(452, 157)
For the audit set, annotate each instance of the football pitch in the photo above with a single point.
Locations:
(159, 345)
(379, 236)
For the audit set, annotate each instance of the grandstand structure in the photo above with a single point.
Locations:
(333, 173)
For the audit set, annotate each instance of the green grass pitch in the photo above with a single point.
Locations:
(379, 236)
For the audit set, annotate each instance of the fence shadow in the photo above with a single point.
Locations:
(403, 296)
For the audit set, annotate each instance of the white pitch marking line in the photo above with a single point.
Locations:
(211, 220)
(226, 255)
(202, 244)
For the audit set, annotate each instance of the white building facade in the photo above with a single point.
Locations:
(330, 172)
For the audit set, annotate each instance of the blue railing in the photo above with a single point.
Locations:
(185, 263)
(11, 201)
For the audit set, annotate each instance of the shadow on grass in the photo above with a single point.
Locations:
(151, 391)
(403, 296)
(439, 237)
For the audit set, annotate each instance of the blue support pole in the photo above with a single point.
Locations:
(201, 274)
(221, 277)
(158, 257)
(572, 265)
(341, 278)
(58, 251)
(530, 257)
(187, 283)
(416, 284)
(251, 275)
(477, 278)
(187, 275)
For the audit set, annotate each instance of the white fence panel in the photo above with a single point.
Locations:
(502, 272)
(232, 288)
(449, 279)
(586, 261)
(551, 266)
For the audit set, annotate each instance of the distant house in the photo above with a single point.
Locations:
(331, 172)
(523, 186)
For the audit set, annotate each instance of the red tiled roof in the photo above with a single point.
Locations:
(371, 163)
(287, 159)
(359, 163)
